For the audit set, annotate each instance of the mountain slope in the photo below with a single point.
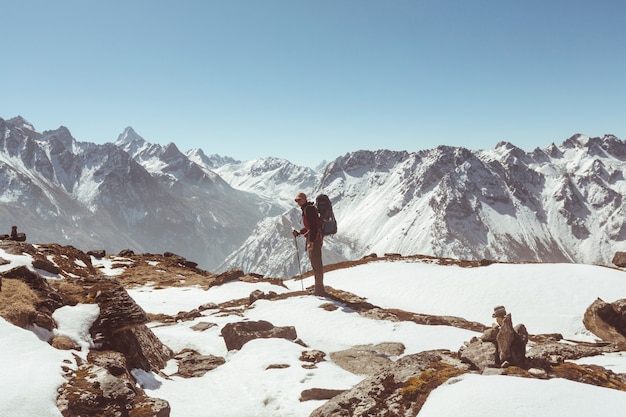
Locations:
(558, 204)
(561, 204)
(98, 196)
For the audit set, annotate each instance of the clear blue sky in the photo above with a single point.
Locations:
(312, 80)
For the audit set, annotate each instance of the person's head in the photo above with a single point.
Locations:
(300, 199)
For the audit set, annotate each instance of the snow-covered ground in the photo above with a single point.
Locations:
(545, 297)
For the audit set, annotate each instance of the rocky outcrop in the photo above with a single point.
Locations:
(121, 326)
(18, 237)
(619, 259)
(192, 364)
(398, 390)
(607, 321)
(367, 359)
(104, 387)
(500, 345)
(237, 334)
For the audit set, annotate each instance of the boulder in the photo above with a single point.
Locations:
(397, 390)
(63, 343)
(237, 334)
(18, 237)
(479, 354)
(126, 253)
(97, 253)
(319, 394)
(103, 386)
(313, 356)
(46, 265)
(192, 364)
(367, 359)
(121, 326)
(607, 321)
(512, 342)
(202, 326)
(619, 259)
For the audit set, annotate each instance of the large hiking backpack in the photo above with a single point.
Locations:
(327, 217)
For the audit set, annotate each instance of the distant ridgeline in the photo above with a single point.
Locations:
(558, 204)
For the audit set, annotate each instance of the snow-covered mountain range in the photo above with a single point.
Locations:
(562, 203)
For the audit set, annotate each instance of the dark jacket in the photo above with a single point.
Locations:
(311, 221)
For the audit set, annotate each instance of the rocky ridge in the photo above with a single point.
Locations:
(123, 342)
(562, 203)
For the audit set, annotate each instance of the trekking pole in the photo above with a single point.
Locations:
(295, 240)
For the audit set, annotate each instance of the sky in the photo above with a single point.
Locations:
(311, 81)
(543, 297)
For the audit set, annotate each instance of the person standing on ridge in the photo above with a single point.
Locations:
(314, 239)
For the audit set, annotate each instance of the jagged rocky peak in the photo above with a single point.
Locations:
(613, 146)
(59, 139)
(130, 141)
(505, 145)
(576, 141)
(608, 145)
(128, 136)
(378, 160)
(278, 166)
(211, 161)
(171, 154)
(21, 123)
(512, 153)
(554, 151)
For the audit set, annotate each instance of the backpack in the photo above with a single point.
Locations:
(327, 217)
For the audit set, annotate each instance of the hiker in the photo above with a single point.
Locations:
(314, 239)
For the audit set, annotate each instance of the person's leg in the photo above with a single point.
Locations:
(315, 255)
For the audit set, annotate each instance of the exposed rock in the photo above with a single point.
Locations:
(192, 364)
(50, 298)
(121, 326)
(63, 343)
(18, 237)
(180, 260)
(44, 320)
(278, 366)
(619, 259)
(480, 354)
(46, 265)
(313, 356)
(319, 394)
(255, 295)
(104, 387)
(557, 352)
(237, 334)
(398, 390)
(188, 315)
(367, 359)
(260, 295)
(228, 276)
(69, 261)
(98, 253)
(607, 321)
(499, 345)
(202, 326)
(589, 374)
(512, 342)
(125, 253)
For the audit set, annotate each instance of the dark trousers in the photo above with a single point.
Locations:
(315, 256)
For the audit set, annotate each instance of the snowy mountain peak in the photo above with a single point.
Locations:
(211, 161)
(21, 123)
(59, 140)
(130, 141)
